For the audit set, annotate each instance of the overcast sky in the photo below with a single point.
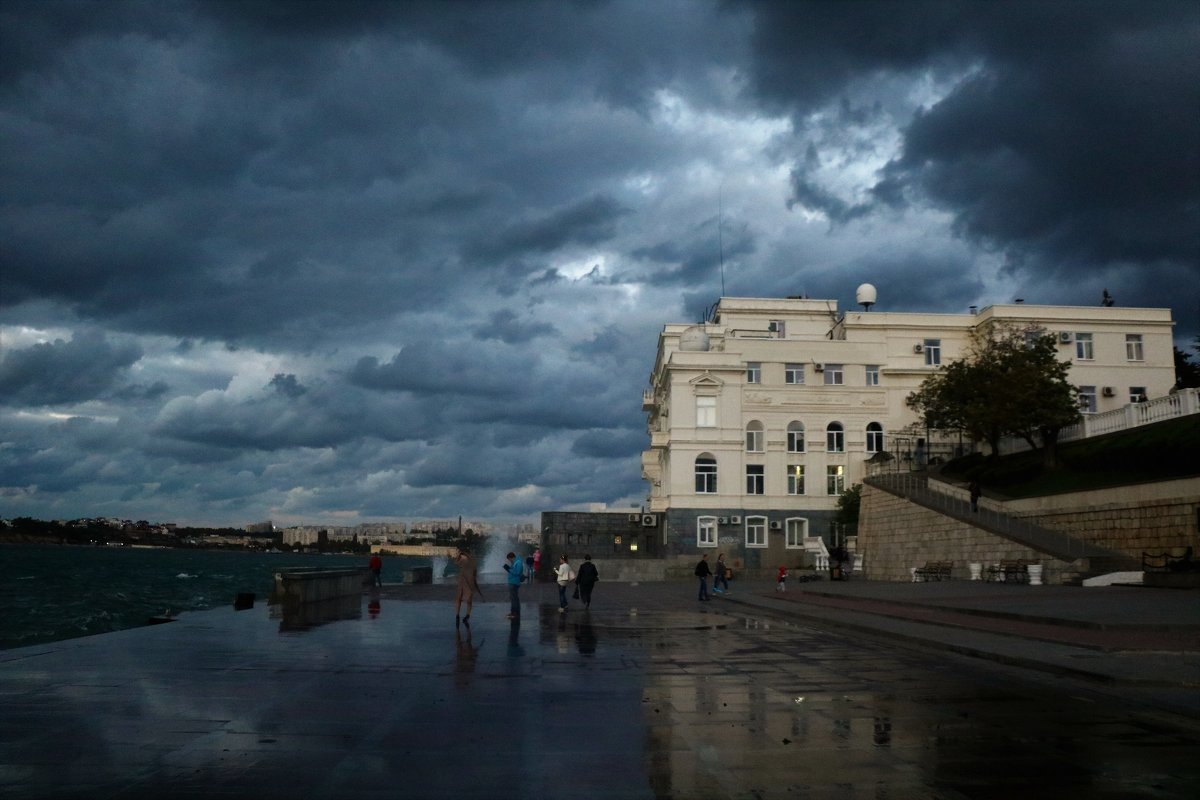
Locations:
(369, 261)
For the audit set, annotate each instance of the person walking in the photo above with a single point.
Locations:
(468, 584)
(515, 576)
(702, 572)
(976, 492)
(721, 576)
(781, 579)
(586, 580)
(537, 563)
(376, 567)
(564, 576)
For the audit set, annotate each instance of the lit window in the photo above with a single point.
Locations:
(793, 374)
(706, 475)
(755, 479)
(756, 531)
(1083, 347)
(933, 352)
(706, 532)
(754, 437)
(706, 412)
(1087, 399)
(797, 531)
(872, 374)
(1137, 394)
(833, 374)
(874, 438)
(754, 372)
(795, 479)
(1133, 347)
(795, 437)
(835, 438)
(835, 479)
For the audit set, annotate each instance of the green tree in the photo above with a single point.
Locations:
(848, 504)
(1187, 374)
(1010, 383)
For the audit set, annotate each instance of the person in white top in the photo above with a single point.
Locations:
(563, 576)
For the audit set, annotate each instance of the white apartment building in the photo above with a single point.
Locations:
(761, 417)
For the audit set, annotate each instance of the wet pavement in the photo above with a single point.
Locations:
(843, 691)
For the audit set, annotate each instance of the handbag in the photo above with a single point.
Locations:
(576, 595)
(728, 573)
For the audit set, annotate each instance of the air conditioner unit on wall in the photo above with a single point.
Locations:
(1065, 337)
(1110, 391)
(918, 348)
(776, 526)
(736, 520)
(722, 520)
(634, 517)
(649, 520)
(819, 367)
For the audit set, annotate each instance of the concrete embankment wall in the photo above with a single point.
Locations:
(896, 535)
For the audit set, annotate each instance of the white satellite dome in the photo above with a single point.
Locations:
(865, 295)
(694, 340)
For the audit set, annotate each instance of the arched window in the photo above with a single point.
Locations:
(874, 437)
(795, 436)
(835, 438)
(706, 474)
(754, 437)
(706, 531)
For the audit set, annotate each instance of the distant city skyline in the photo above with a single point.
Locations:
(336, 263)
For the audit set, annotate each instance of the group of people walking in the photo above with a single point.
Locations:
(720, 574)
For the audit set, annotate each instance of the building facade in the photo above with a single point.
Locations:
(761, 417)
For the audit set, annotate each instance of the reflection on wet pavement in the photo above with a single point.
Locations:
(664, 701)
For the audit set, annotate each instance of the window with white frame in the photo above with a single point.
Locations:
(753, 372)
(872, 374)
(755, 479)
(756, 531)
(835, 438)
(835, 479)
(795, 437)
(874, 437)
(1083, 347)
(933, 352)
(1137, 394)
(777, 327)
(1133, 347)
(706, 412)
(833, 374)
(795, 479)
(706, 532)
(796, 530)
(754, 437)
(793, 374)
(1087, 399)
(706, 474)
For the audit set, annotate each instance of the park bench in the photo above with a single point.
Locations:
(1169, 561)
(933, 571)
(1010, 571)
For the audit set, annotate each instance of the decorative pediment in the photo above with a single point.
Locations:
(707, 379)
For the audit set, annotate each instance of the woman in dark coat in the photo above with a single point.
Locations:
(586, 578)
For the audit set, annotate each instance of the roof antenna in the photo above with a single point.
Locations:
(720, 238)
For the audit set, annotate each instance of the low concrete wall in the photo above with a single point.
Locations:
(317, 584)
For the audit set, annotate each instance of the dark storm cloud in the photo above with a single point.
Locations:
(587, 222)
(507, 327)
(438, 368)
(53, 373)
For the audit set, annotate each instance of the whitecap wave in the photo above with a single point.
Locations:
(185, 575)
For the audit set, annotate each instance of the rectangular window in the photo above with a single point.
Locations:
(755, 479)
(1133, 347)
(795, 439)
(706, 532)
(706, 412)
(933, 352)
(797, 531)
(754, 372)
(872, 374)
(706, 476)
(793, 374)
(1083, 347)
(1087, 399)
(1137, 394)
(777, 327)
(833, 374)
(756, 531)
(754, 440)
(835, 439)
(795, 479)
(835, 479)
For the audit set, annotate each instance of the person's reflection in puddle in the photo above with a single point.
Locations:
(585, 636)
(373, 605)
(514, 642)
(465, 655)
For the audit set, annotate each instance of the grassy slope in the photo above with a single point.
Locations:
(1162, 451)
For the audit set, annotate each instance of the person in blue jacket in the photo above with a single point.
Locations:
(515, 575)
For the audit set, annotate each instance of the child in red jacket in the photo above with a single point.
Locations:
(781, 579)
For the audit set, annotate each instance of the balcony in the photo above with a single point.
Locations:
(648, 403)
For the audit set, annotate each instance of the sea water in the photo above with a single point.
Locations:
(52, 592)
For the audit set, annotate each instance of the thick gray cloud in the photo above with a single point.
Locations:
(348, 260)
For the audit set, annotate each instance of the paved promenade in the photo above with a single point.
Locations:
(848, 690)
